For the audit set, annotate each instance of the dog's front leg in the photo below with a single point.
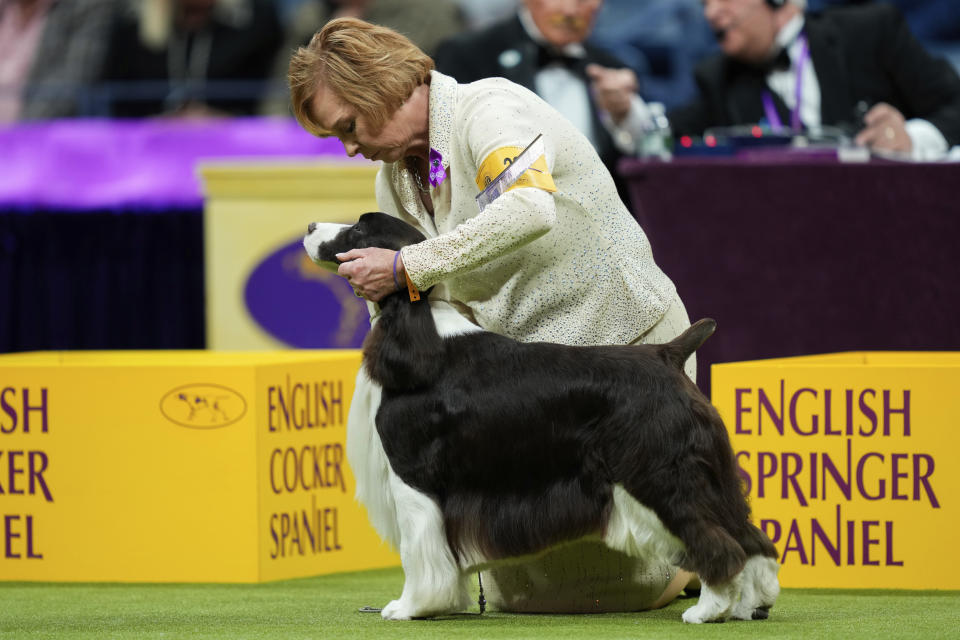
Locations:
(433, 584)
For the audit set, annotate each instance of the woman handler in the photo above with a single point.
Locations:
(555, 258)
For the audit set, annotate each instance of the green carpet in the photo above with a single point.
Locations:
(326, 607)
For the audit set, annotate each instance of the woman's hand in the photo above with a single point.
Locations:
(370, 271)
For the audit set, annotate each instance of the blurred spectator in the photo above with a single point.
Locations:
(544, 48)
(936, 23)
(481, 13)
(425, 22)
(50, 50)
(191, 57)
(860, 68)
(661, 40)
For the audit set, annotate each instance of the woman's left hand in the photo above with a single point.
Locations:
(370, 272)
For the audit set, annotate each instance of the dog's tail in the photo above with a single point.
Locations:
(679, 349)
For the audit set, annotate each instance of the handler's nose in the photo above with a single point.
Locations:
(311, 227)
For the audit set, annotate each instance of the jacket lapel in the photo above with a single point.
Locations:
(829, 63)
(745, 96)
(517, 60)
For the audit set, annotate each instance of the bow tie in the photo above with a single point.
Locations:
(547, 55)
(779, 62)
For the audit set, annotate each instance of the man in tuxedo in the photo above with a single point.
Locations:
(543, 47)
(858, 68)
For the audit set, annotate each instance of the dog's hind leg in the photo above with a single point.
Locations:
(636, 530)
(433, 584)
(760, 585)
(759, 589)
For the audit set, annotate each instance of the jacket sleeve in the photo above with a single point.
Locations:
(498, 118)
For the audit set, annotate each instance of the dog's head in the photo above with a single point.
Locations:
(324, 240)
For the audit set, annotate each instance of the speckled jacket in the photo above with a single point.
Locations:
(571, 266)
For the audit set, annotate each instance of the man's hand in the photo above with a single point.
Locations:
(613, 89)
(370, 272)
(885, 130)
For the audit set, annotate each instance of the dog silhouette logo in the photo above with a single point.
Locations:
(203, 406)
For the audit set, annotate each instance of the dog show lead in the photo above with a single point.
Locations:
(556, 258)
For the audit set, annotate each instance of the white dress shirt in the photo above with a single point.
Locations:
(928, 142)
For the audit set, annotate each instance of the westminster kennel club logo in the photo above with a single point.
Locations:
(203, 406)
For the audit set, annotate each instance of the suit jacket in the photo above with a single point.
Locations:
(475, 55)
(864, 53)
(240, 54)
(69, 58)
(570, 266)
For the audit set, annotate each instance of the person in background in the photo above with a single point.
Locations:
(855, 67)
(556, 258)
(425, 22)
(192, 57)
(50, 52)
(544, 48)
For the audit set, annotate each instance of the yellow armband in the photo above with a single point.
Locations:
(536, 176)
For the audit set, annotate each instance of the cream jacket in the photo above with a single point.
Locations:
(570, 266)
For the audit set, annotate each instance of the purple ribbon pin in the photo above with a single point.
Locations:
(437, 172)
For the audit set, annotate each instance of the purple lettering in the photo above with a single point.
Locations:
(771, 411)
(869, 542)
(38, 462)
(881, 483)
(761, 473)
(271, 410)
(868, 412)
(922, 478)
(797, 546)
(773, 534)
(9, 410)
(789, 477)
(42, 408)
(817, 532)
(895, 459)
(890, 561)
(793, 413)
(904, 410)
(9, 536)
(297, 424)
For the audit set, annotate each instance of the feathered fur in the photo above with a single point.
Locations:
(512, 448)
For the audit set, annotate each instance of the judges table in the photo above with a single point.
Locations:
(802, 254)
(101, 226)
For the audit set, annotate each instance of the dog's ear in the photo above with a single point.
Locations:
(379, 229)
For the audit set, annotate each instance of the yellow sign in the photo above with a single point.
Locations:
(538, 175)
(848, 460)
(179, 466)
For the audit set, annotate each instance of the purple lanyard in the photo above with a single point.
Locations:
(770, 108)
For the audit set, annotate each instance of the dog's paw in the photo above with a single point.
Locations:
(746, 611)
(701, 613)
(396, 611)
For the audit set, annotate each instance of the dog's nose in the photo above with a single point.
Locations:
(311, 227)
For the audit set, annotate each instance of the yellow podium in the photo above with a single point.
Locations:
(262, 290)
(179, 466)
(848, 459)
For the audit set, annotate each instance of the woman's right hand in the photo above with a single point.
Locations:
(370, 271)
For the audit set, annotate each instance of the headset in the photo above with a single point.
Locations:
(777, 4)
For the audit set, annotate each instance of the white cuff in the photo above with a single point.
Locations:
(928, 142)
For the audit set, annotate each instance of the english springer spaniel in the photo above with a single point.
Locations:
(485, 450)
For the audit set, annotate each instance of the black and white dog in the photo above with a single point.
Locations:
(485, 450)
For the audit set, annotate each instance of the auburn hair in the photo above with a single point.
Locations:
(368, 67)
